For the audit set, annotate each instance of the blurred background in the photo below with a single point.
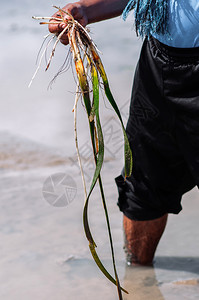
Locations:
(44, 253)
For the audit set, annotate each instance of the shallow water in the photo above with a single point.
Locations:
(44, 254)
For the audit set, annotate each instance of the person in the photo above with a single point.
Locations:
(163, 124)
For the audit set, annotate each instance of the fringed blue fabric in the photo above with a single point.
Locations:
(150, 16)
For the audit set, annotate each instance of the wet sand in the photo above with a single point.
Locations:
(44, 253)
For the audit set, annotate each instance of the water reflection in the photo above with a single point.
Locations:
(141, 283)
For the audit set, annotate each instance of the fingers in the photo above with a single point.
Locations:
(56, 28)
(77, 11)
(64, 40)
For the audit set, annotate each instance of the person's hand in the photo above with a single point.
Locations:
(77, 11)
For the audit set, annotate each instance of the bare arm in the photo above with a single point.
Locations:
(90, 11)
(98, 10)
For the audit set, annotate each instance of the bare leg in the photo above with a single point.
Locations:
(142, 238)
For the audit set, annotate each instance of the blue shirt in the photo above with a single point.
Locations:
(183, 24)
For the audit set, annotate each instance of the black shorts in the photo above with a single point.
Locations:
(163, 130)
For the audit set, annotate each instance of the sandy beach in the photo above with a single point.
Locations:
(44, 253)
